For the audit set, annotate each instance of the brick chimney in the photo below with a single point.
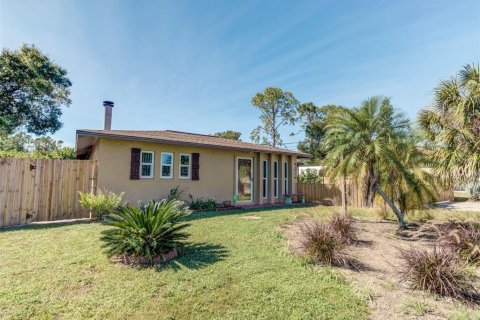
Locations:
(108, 115)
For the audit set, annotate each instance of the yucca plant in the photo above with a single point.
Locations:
(146, 232)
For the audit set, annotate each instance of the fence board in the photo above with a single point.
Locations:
(43, 189)
(331, 194)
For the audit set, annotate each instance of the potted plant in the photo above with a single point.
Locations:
(287, 199)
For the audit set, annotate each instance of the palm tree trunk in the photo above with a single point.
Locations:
(397, 212)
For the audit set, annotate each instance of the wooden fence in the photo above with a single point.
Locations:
(43, 189)
(331, 194)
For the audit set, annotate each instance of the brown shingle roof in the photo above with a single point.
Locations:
(185, 138)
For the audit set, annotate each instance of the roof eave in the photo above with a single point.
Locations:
(205, 145)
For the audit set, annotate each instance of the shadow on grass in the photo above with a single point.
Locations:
(47, 225)
(214, 214)
(196, 256)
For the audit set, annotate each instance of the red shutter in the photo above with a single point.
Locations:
(195, 166)
(135, 164)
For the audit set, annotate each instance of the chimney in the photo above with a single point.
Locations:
(108, 115)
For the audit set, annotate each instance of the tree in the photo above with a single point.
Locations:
(33, 89)
(229, 134)
(277, 108)
(313, 121)
(23, 145)
(451, 127)
(361, 143)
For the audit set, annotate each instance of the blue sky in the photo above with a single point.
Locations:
(195, 65)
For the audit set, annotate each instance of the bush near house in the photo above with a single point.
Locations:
(202, 205)
(100, 204)
(148, 232)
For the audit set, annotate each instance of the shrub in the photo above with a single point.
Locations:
(175, 193)
(100, 204)
(462, 238)
(319, 242)
(149, 231)
(438, 271)
(200, 204)
(309, 176)
(343, 226)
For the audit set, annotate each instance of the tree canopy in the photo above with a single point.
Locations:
(229, 134)
(33, 90)
(22, 145)
(277, 108)
(451, 127)
(369, 144)
(313, 120)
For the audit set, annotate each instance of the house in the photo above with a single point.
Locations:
(148, 164)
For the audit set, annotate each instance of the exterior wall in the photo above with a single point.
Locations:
(217, 172)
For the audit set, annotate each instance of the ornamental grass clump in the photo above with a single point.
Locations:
(438, 271)
(462, 238)
(325, 243)
(344, 227)
(146, 233)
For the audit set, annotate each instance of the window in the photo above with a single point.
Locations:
(146, 164)
(166, 165)
(275, 179)
(185, 164)
(285, 171)
(265, 179)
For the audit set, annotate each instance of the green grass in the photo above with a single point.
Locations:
(235, 268)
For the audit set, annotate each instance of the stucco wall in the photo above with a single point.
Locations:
(217, 171)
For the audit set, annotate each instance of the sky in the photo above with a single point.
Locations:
(195, 65)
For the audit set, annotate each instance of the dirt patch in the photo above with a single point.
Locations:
(388, 297)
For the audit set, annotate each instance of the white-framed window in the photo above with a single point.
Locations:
(146, 164)
(265, 179)
(166, 165)
(184, 166)
(285, 171)
(275, 179)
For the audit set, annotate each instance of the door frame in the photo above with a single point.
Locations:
(252, 174)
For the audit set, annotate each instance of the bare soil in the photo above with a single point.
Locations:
(378, 280)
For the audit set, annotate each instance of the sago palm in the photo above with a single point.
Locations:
(452, 127)
(149, 231)
(362, 141)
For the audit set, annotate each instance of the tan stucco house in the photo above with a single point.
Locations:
(148, 164)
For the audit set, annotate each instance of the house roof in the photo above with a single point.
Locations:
(177, 137)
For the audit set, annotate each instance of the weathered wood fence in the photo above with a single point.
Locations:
(43, 189)
(331, 194)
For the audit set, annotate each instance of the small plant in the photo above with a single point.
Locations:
(100, 204)
(344, 227)
(318, 242)
(149, 231)
(438, 271)
(202, 205)
(175, 193)
(462, 238)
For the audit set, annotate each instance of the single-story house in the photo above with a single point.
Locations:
(148, 164)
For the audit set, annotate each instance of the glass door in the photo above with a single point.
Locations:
(244, 179)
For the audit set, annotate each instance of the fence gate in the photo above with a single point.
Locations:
(43, 189)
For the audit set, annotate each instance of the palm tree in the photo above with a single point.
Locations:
(362, 145)
(411, 183)
(452, 127)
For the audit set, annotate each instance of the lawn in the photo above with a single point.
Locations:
(237, 267)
